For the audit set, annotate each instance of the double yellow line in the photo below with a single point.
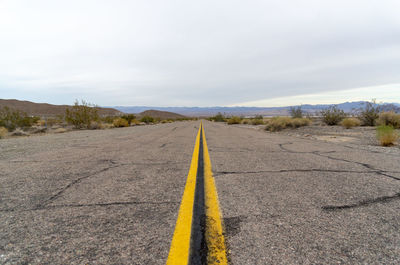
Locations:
(200, 196)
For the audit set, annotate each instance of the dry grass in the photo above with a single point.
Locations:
(389, 118)
(234, 120)
(3, 132)
(350, 122)
(279, 123)
(120, 122)
(387, 135)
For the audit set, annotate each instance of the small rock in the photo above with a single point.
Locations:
(19, 133)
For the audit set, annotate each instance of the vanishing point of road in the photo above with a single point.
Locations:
(119, 197)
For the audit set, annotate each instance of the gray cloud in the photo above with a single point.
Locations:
(194, 52)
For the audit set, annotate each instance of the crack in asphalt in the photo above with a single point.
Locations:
(367, 202)
(296, 170)
(321, 154)
(79, 205)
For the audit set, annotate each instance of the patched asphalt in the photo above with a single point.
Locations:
(112, 197)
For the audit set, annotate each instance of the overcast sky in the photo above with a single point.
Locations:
(200, 53)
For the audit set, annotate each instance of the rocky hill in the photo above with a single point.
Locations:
(44, 109)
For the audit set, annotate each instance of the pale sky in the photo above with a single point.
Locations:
(200, 53)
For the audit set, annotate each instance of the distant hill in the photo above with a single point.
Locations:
(163, 115)
(249, 111)
(44, 109)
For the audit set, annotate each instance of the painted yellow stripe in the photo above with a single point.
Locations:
(214, 228)
(180, 245)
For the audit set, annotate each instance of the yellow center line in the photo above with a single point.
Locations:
(214, 237)
(180, 245)
(214, 229)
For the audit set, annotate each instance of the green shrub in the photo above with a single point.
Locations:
(234, 120)
(120, 122)
(257, 120)
(3, 132)
(389, 118)
(332, 115)
(218, 118)
(387, 135)
(80, 115)
(369, 114)
(350, 122)
(129, 117)
(12, 119)
(296, 112)
(147, 119)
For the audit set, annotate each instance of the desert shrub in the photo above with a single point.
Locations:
(234, 120)
(369, 114)
(332, 115)
(95, 125)
(129, 117)
(389, 118)
(245, 121)
(53, 121)
(218, 118)
(299, 122)
(120, 122)
(11, 119)
(296, 112)
(257, 120)
(107, 126)
(386, 135)
(147, 119)
(80, 115)
(108, 119)
(135, 122)
(279, 123)
(3, 132)
(350, 122)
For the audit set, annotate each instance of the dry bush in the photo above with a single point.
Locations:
(350, 122)
(369, 114)
(234, 120)
(299, 122)
(3, 132)
(135, 122)
(258, 120)
(332, 115)
(41, 122)
(95, 125)
(148, 119)
(81, 114)
(389, 118)
(387, 135)
(279, 123)
(107, 126)
(245, 121)
(120, 122)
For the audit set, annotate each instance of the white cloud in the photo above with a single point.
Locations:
(386, 93)
(194, 52)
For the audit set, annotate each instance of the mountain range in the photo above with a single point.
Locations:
(251, 111)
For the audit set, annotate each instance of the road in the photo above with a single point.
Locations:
(113, 197)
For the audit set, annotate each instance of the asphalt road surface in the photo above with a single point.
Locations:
(112, 197)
